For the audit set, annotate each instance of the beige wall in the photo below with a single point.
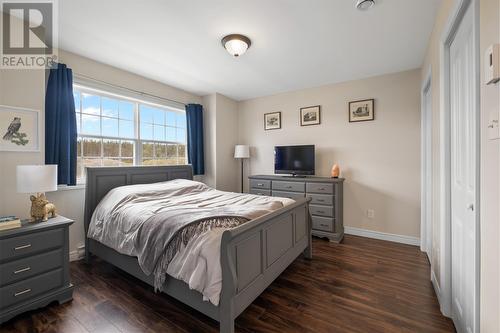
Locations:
(27, 89)
(432, 63)
(221, 134)
(379, 159)
(490, 180)
(227, 137)
(210, 128)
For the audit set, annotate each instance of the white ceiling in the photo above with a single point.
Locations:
(295, 43)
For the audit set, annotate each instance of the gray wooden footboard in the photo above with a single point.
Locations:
(253, 255)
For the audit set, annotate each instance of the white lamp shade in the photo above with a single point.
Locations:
(36, 178)
(241, 151)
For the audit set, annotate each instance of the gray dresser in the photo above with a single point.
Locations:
(326, 206)
(34, 266)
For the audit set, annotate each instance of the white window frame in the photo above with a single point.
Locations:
(137, 141)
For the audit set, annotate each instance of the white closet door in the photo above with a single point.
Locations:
(463, 176)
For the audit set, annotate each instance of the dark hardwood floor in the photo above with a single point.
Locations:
(362, 285)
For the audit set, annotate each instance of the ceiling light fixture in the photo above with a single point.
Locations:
(364, 4)
(236, 44)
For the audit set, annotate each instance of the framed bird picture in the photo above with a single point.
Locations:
(19, 129)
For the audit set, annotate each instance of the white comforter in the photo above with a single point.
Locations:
(198, 262)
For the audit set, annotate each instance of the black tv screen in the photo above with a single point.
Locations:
(295, 160)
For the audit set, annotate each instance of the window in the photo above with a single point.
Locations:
(115, 130)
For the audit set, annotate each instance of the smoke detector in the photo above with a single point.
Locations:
(364, 4)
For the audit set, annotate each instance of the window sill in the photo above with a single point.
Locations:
(70, 188)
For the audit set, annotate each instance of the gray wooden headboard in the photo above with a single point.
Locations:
(100, 180)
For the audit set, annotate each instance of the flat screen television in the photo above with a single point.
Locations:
(294, 160)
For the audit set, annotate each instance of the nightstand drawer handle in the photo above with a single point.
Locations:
(324, 225)
(321, 189)
(22, 270)
(22, 247)
(321, 211)
(19, 293)
(320, 200)
(260, 184)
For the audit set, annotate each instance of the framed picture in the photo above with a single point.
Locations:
(272, 121)
(19, 129)
(362, 110)
(310, 115)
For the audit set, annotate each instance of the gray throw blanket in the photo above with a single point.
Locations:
(182, 235)
(152, 221)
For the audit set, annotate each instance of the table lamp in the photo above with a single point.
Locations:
(38, 179)
(241, 152)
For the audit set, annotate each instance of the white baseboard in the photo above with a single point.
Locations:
(435, 284)
(76, 255)
(382, 236)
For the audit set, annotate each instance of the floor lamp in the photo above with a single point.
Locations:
(241, 152)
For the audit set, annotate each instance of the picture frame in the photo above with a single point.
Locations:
(19, 129)
(362, 110)
(272, 121)
(310, 115)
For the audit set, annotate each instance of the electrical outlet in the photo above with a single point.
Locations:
(370, 213)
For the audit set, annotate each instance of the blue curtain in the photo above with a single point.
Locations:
(60, 124)
(194, 116)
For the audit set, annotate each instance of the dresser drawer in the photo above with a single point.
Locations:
(323, 223)
(321, 188)
(289, 195)
(27, 289)
(321, 210)
(321, 199)
(260, 184)
(17, 247)
(20, 269)
(288, 186)
(257, 191)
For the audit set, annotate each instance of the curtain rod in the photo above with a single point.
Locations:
(78, 75)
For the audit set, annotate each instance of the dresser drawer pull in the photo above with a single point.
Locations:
(324, 225)
(321, 189)
(22, 247)
(288, 186)
(19, 293)
(22, 270)
(320, 200)
(321, 211)
(260, 184)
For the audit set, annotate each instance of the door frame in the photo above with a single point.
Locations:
(448, 36)
(426, 177)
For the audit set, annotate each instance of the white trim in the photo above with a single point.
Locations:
(425, 178)
(70, 187)
(382, 236)
(447, 38)
(435, 284)
(76, 255)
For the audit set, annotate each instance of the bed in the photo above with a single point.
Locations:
(252, 255)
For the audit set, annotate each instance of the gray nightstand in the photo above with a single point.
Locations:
(34, 266)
